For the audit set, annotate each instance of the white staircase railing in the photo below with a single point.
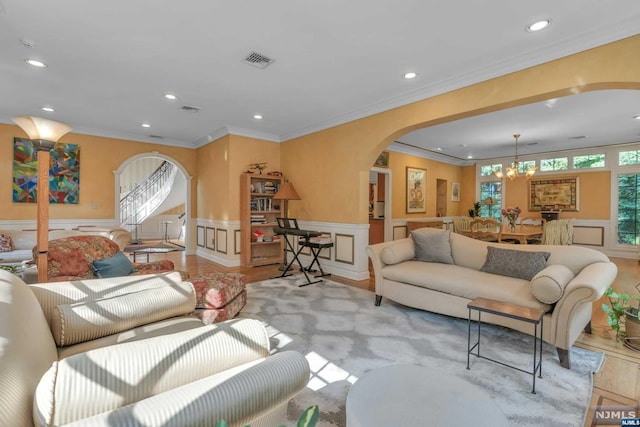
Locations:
(141, 202)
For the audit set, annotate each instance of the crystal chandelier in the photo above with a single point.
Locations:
(512, 172)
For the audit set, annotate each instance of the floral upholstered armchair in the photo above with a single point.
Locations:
(91, 257)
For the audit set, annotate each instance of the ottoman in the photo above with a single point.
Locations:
(219, 296)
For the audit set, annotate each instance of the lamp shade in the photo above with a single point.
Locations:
(39, 128)
(287, 192)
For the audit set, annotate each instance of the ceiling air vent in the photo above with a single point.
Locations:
(190, 108)
(156, 136)
(257, 60)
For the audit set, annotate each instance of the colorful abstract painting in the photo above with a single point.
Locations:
(64, 172)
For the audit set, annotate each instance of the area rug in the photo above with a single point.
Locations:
(344, 335)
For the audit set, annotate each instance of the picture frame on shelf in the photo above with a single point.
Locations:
(416, 190)
(455, 191)
(554, 194)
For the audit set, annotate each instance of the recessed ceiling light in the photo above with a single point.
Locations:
(637, 117)
(438, 148)
(48, 109)
(145, 125)
(257, 116)
(469, 156)
(410, 75)
(36, 63)
(170, 96)
(539, 25)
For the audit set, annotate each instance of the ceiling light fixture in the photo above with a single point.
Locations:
(539, 25)
(170, 96)
(410, 75)
(257, 116)
(145, 125)
(512, 172)
(47, 109)
(637, 117)
(36, 63)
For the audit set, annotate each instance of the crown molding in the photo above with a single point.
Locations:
(531, 58)
(411, 150)
(232, 130)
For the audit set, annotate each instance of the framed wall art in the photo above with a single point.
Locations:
(64, 173)
(455, 191)
(382, 160)
(554, 194)
(416, 190)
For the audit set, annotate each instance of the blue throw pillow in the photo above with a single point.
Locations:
(116, 266)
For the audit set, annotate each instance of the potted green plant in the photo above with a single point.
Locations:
(620, 312)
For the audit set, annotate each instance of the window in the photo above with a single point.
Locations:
(629, 157)
(491, 199)
(628, 208)
(523, 167)
(488, 170)
(559, 163)
(588, 161)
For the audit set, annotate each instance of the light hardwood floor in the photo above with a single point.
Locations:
(616, 384)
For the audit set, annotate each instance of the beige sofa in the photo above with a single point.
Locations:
(571, 279)
(125, 351)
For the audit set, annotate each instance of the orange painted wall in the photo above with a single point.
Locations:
(435, 170)
(219, 166)
(333, 164)
(594, 196)
(99, 157)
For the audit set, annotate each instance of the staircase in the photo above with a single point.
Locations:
(141, 202)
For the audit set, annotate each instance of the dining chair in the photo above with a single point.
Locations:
(461, 225)
(488, 230)
(533, 222)
(558, 232)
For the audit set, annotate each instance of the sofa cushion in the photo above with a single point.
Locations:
(401, 250)
(432, 246)
(514, 263)
(115, 266)
(74, 323)
(462, 282)
(548, 284)
(6, 245)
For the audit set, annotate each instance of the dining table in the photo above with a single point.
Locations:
(521, 233)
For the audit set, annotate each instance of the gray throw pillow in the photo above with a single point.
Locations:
(513, 263)
(433, 245)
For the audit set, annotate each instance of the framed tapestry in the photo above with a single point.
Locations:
(64, 172)
(382, 160)
(554, 193)
(416, 190)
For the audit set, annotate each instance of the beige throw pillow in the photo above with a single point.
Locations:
(548, 285)
(85, 321)
(433, 245)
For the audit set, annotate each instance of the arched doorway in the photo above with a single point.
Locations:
(182, 174)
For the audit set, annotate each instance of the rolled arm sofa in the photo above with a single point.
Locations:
(125, 351)
(442, 272)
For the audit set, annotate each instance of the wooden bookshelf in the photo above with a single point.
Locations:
(258, 213)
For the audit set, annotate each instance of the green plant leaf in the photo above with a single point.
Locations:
(222, 423)
(309, 417)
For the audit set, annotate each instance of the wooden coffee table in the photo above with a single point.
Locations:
(512, 311)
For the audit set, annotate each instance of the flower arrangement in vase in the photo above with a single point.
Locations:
(512, 214)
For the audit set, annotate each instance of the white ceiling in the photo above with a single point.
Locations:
(110, 62)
